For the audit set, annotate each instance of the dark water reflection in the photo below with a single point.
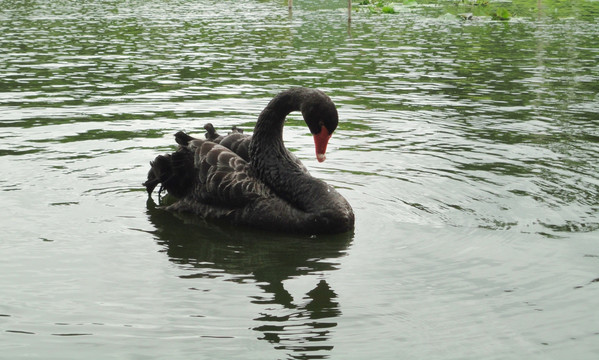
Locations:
(300, 327)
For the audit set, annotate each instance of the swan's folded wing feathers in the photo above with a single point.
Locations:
(210, 152)
(233, 140)
(223, 176)
(226, 157)
(200, 149)
(238, 143)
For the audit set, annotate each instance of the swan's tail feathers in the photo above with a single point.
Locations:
(235, 129)
(175, 173)
(182, 138)
(211, 133)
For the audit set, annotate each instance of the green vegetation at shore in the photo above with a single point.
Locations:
(495, 9)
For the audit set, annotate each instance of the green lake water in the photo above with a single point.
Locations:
(468, 150)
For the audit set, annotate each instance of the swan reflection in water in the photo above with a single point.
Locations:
(301, 327)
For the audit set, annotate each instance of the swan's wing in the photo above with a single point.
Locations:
(238, 143)
(235, 141)
(223, 177)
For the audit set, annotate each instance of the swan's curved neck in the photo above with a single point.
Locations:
(270, 160)
(269, 126)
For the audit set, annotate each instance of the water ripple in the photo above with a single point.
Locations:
(467, 149)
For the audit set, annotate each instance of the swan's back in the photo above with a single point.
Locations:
(202, 170)
(236, 141)
(223, 186)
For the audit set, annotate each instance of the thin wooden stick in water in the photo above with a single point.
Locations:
(348, 10)
(290, 3)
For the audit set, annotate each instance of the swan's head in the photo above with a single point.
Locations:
(321, 116)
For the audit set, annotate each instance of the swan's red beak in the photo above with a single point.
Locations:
(321, 140)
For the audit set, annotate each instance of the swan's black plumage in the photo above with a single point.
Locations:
(235, 140)
(255, 180)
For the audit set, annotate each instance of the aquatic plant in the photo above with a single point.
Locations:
(378, 6)
(494, 9)
(388, 9)
(501, 14)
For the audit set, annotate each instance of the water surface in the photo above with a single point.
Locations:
(468, 150)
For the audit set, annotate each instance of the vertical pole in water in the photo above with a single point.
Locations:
(290, 4)
(348, 11)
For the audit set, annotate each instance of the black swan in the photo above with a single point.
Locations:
(269, 189)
